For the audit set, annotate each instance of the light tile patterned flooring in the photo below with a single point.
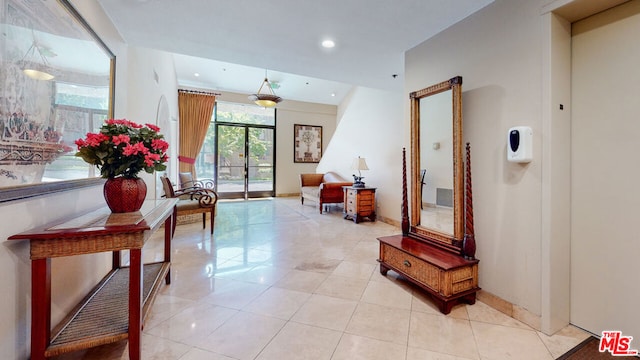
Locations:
(280, 281)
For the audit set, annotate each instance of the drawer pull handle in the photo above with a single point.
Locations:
(407, 263)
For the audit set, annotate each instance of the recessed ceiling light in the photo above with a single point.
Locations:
(333, 94)
(328, 44)
(196, 74)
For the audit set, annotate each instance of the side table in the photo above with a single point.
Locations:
(359, 203)
(101, 317)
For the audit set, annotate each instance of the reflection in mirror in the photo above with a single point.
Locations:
(436, 162)
(437, 201)
(58, 78)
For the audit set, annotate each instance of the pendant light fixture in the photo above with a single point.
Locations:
(265, 99)
(34, 67)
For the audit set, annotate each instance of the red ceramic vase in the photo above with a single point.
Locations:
(124, 195)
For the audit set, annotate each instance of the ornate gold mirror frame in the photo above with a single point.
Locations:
(449, 241)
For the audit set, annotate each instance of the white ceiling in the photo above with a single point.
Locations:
(232, 43)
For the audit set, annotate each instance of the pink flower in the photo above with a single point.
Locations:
(123, 122)
(80, 143)
(153, 127)
(134, 149)
(151, 158)
(116, 122)
(122, 142)
(120, 139)
(159, 144)
(95, 139)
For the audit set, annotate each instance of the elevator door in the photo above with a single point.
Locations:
(605, 172)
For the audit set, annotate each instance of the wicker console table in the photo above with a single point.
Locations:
(101, 317)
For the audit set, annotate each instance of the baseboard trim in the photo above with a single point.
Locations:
(388, 221)
(288, 195)
(509, 309)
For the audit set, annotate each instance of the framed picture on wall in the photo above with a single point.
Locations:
(307, 143)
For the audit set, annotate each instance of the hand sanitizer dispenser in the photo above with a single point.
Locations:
(520, 144)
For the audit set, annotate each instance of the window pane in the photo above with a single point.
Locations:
(260, 159)
(244, 114)
(79, 109)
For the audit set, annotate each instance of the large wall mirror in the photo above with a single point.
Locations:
(437, 174)
(57, 85)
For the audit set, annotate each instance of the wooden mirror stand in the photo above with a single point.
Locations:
(441, 262)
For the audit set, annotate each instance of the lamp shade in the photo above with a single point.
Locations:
(35, 65)
(265, 99)
(37, 74)
(359, 164)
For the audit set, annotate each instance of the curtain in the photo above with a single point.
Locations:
(195, 110)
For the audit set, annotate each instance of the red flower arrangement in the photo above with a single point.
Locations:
(124, 148)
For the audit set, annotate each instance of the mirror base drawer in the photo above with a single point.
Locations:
(448, 278)
(411, 266)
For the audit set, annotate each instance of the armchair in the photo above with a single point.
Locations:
(193, 200)
(323, 188)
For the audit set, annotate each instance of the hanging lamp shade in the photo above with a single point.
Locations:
(265, 99)
(35, 67)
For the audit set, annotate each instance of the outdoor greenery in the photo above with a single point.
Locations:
(231, 140)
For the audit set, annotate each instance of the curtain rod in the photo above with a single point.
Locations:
(199, 92)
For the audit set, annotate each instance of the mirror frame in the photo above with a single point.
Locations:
(18, 192)
(451, 242)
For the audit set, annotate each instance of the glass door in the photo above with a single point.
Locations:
(245, 161)
(231, 164)
(260, 162)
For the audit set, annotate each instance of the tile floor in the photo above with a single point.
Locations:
(280, 281)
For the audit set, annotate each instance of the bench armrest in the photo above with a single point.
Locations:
(334, 185)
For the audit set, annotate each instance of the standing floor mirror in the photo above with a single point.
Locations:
(435, 253)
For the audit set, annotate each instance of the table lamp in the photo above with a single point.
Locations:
(359, 164)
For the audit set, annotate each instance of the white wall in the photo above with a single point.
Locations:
(497, 51)
(73, 277)
(152, 76)
(70, 276)
(371, 126)
(295, 112)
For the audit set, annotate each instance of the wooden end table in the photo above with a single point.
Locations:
(359, 203)
(94, 232)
